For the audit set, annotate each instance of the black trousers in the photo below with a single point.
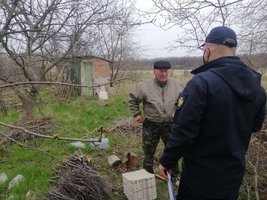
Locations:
(185, 193)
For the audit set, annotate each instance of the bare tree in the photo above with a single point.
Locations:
(113, 40)
(194, 19)
(253, 38)
(37, 35)
(253, 25)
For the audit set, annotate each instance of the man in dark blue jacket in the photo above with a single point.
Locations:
(217, 112)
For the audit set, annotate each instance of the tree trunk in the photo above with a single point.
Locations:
(3, 106)
(28, 107)
(28, 100)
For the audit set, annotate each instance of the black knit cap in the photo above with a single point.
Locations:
(162, 64)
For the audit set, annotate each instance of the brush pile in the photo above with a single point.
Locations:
(76, 180)
(127, 127)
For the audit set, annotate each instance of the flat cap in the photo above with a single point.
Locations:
(221, 35)
(162, 64)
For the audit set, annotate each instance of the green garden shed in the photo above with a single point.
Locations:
(88, 71)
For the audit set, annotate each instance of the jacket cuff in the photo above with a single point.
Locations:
(167, 161)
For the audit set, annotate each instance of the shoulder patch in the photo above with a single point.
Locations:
(180, 101)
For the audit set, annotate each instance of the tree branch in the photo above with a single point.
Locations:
(59, 83)
(55, 137)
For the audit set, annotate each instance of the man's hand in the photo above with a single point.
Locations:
(163, 172)
(139, 118)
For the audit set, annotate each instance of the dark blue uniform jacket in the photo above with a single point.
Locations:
(217, 112)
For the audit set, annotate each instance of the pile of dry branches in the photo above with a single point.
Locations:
(127, 127)
(77, 180)
(42, 126)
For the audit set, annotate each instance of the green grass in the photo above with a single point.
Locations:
(78, 118)
(13, 116)
(35, 167)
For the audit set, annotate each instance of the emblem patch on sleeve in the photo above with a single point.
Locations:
(180, 101)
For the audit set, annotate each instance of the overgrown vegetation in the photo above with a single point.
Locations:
(81, 117)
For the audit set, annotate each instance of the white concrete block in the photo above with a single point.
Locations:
(139, 185)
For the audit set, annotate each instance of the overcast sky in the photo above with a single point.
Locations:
(154, 40)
